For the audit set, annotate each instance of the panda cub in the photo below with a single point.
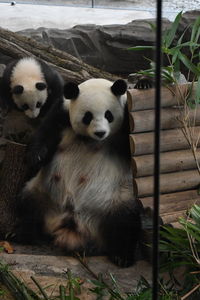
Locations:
(31, 86)
(83, 194)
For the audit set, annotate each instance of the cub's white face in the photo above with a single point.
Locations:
(96, 112)
(28, 87)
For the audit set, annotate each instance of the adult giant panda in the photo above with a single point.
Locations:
(83, 194)
(31, 86)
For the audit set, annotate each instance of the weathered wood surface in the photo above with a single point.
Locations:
(179, 179)
(71, 68)
(12, 175)
(172, 161)
(145, 99)
(169, 182)
(174, 205)
(173, 139)
(144, 120)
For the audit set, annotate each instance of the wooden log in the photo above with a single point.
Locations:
(173, 139)
(174, 201)
(12, 177)
(70, 67)
(172, 161)
(145, 99)
(144, 121)
(172, 218)
(170, 182)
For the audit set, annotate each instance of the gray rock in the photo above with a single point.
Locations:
(105, 47)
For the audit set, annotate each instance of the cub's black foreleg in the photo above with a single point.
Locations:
(121, 232)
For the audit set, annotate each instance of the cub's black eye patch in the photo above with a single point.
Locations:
(87, 118)
(18, 89)
(25, 107)
(39, 104)
(40, 86)
(109, 116)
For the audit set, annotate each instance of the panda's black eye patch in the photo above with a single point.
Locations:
(18, 89)
(40, 86)
(25, 107)
(87, 118)
(38, 105)
(109, 116)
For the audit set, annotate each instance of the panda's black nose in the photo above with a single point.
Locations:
(100, 134)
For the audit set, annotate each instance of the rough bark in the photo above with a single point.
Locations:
(12, 177)
(71, 68)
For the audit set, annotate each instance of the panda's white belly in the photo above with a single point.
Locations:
(86, 177)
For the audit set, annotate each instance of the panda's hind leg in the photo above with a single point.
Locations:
(121, 231)
(66, 231)
(32, 205)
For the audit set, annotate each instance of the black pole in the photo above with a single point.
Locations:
(93, 3)
(155, 274)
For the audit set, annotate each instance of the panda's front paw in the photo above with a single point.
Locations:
(36, 157)
(122, 261)
(144, 83)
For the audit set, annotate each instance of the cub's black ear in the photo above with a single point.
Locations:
(119, 87)
(71, 90)
(18, 89)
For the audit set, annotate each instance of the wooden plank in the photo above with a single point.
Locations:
(172, 139)
(170, 182)
(145, 99)
(172, 161)
(170, 218)
(144, 121)
(174, 201)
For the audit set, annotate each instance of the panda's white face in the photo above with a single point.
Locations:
(96, 112)
(28, 87)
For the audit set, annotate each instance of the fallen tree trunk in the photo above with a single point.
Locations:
(71, 68)
(12, 177)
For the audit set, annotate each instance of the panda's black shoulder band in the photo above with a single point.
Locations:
(119, 87)
(71, 90)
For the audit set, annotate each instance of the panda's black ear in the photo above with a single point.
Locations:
(71, 90)
(18, 89)
(119, 87)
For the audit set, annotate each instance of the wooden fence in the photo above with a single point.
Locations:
(179, 178)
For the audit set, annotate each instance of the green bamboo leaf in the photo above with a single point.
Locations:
(171, 33)
(139, 48)
(189, 64)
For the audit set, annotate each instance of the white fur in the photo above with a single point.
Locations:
(84, 174)
(96, 96)
(27, 73)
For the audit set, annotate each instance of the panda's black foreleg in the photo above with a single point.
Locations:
(44, 143)
(121, 234)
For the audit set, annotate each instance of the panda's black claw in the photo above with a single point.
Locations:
(144, 83)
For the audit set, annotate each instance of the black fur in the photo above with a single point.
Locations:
(119, 87)
(144, 82)
(54, 85)
(47, 137)
(121, 231)
(71, 90)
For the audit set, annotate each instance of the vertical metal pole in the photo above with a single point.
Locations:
(93, 3)
(157, 152)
